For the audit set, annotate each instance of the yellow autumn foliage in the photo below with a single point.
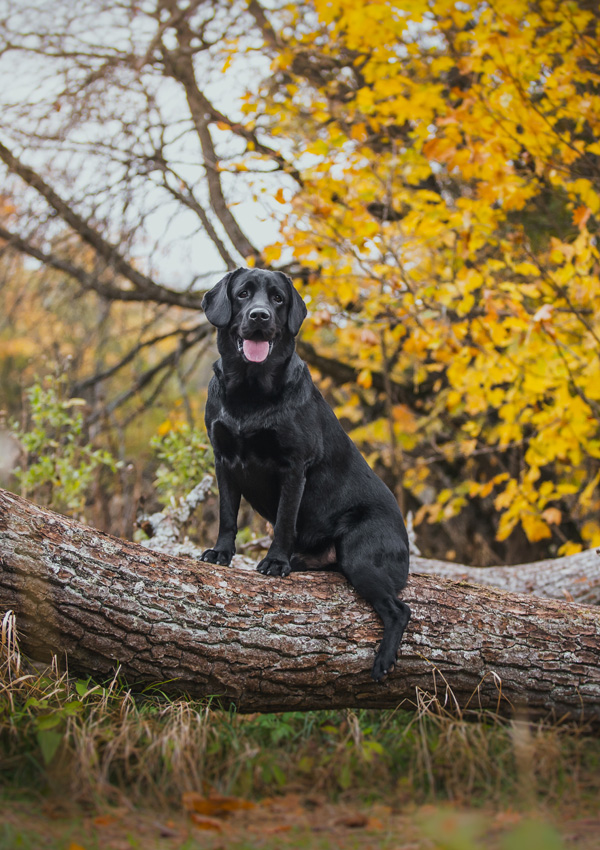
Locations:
(449, 205)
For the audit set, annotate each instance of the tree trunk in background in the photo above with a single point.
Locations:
(304, 642)
(575, 578)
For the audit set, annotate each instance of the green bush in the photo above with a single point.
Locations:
(59, 461)
(185, 458)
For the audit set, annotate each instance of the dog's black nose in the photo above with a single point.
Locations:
(259, 314)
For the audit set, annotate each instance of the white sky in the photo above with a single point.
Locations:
(170, 246)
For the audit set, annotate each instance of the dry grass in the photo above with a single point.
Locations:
(100, 741)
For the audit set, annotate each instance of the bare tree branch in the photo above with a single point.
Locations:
(160, 294)
(168, 362)
(189, 200)
(179, 65)
(86, 232)
(80, 386)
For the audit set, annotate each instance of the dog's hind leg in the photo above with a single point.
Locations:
(325, 560)
(395, 615)
(378, 574)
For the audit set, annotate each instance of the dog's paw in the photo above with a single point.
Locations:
(384, 664)
(217, 556)
(274, 566)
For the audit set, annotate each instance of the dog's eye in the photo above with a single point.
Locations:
(277, 298)
(243, 293)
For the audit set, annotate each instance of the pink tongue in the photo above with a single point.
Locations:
(256, 352)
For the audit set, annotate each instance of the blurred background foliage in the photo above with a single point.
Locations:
(427, 172)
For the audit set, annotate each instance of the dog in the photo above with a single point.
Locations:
(279, 444)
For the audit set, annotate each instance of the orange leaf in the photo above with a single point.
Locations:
(104, 820)
(368, 337)
(544, 314)
(202, 822)
(581, 215)
(354, 821)
(359, 132)
(552, 516)
(405, 418)
(213, 804)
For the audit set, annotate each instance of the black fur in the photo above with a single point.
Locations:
(278, 443)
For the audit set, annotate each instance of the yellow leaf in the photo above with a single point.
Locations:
(590, 531)
(587, 495)
(534, 527)
(570, 548)
(272, 253)
(345, 292)
(365, 379)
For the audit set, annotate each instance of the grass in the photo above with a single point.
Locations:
(190, 766)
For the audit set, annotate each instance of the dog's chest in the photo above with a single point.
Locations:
(239, 446)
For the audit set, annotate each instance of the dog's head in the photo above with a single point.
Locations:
(258, 313)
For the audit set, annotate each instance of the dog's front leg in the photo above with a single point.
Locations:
(229, 505)
(277, 560)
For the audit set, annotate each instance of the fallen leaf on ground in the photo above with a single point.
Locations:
(203, 822)
(213, 804)
(353, 821)
(104, 820)
(282, 827)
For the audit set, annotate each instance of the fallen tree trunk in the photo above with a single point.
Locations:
(575, 578)
(267, 644)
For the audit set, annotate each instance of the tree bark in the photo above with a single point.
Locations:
(304, 642)
(575, 578)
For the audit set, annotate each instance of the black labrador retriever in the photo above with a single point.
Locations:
(279, 444)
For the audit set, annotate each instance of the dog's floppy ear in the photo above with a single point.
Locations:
(217, 303)
(298, 311)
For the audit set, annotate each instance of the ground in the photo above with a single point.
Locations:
(293, 821)
(95, 766)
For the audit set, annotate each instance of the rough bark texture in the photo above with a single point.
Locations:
(575, 578)
(269, 644)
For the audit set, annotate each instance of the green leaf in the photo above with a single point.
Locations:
(82, 686)
(278, 775)
(49, 742)
(345, 776)
(49, 721)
